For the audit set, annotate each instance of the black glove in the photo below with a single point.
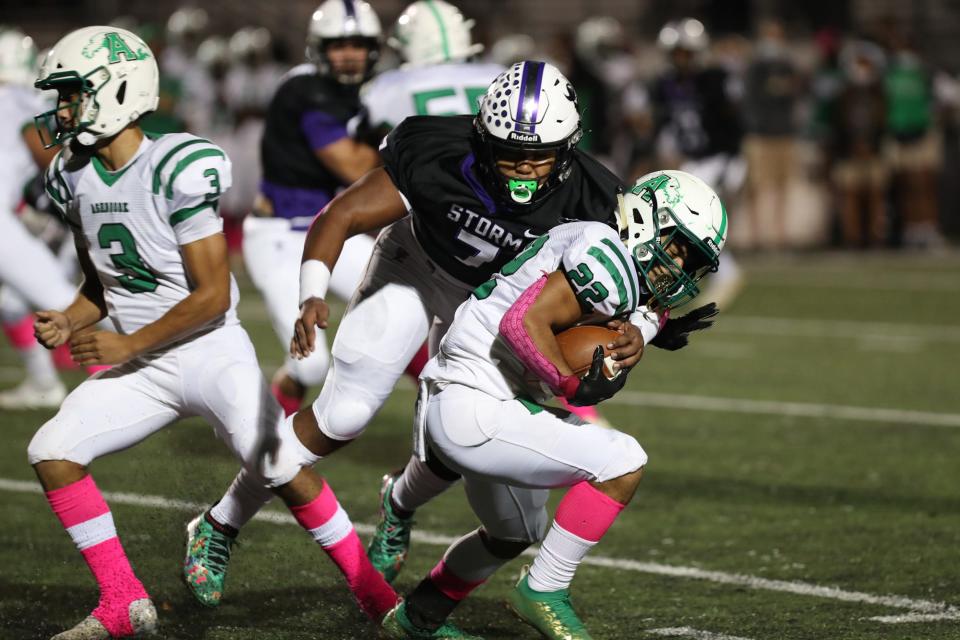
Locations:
(676, 332)
(595, 386)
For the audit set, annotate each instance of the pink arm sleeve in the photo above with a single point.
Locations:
(517, 338)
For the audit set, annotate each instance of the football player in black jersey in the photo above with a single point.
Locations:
(306, 157)
(458, 197)
(699, 129)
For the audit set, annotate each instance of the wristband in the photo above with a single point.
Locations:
(314, 280)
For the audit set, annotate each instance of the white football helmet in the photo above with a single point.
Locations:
(113, 75)
(342, 20)
(689, 34)
(186, 25)
(529, 107)
(18, 56)
(672, 206)
(432, 32)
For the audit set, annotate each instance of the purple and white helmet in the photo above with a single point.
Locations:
(530, 107)
(342, 20)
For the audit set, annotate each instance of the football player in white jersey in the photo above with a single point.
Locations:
(437, 77)
(482, 416)
(27, 266)
(144, 215)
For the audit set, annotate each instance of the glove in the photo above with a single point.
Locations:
(675, 334)
(595, 387)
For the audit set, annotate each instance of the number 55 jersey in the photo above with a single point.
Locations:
(133, 221)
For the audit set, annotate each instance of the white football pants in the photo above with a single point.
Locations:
(272, 253)
(215, 376)
(511, 454)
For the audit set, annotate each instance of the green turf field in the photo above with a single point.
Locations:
(803, 483)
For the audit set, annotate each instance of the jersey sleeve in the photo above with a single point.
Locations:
(601, 272)
(191, 177)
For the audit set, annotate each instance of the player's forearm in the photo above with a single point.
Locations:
(190, 314)
(326, 237)
(355, 163)
(530, 336)
(87, 309)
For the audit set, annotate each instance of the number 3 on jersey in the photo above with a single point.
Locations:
(137, 277)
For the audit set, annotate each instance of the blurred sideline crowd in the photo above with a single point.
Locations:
(828, 141)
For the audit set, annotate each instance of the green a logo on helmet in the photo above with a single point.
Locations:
(115, 46)
(663, 183)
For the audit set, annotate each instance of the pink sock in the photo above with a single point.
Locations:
(330, 526)
(86, 517)
(62, 358)
(20, 333)
(583, 516)
(289, 404)
(450, 584)
(587, 512)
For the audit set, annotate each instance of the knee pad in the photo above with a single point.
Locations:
(343, 417)
(627, 456)
(503, 549)
(43, 446)
(278, 460)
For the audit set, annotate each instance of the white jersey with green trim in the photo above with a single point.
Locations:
(133, 221)
(600, 271)
(437, 90)
(18, 105)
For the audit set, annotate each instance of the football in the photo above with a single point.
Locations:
(578, 344)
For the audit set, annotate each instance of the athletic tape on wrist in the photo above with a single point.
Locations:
(314, 280)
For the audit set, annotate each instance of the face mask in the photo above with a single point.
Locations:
(522, 191)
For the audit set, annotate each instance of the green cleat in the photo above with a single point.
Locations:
(205, 565)
(551, 613)
(396, 624)
(391, 541)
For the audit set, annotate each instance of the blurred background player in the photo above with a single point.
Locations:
(154, 259)
(698, 129)
(307, 156)
(437, 77)
(27, 266)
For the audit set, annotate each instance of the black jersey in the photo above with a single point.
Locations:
(696, 110)
(459, 225)
(286, 152)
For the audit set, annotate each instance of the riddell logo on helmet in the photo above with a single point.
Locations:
(523, 137)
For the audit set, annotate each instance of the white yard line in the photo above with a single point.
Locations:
(845, 329)
(792, 409)
(695, 634)
(838, 280)
(925, 609)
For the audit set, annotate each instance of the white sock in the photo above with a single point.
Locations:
(560, 554)
(39, 365)
(245, 497)
(418, 485)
